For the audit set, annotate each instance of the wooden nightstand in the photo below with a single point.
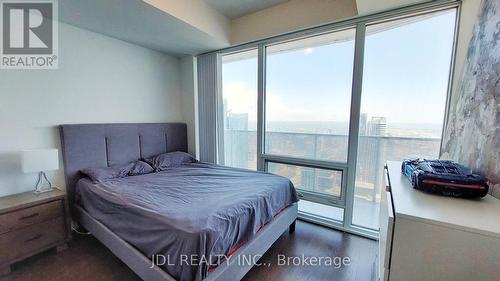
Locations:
(30, 224)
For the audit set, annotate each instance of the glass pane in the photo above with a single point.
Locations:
(322, 211)
(405, 81)
(308, 96)
(328, 182)
(239, 94)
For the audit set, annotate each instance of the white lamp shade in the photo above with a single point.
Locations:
(39, 160)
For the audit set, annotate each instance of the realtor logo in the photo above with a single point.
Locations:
(28, 34)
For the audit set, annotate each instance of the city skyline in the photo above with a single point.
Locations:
(314, 83)
(239, 121)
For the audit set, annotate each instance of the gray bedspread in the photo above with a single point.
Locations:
(196, 209)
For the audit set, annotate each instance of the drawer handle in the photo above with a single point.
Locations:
(34, 238)
(29, 216)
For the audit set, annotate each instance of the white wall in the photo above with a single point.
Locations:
(289, 16)
(366, 7)
(99, 79)
(189, 103)
(198, 14)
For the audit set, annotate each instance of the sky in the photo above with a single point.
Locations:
(405, 77)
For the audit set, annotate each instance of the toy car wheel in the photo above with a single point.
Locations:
(414, 180)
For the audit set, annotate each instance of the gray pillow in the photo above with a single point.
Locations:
(140, 168)
(102, 174)
(169, 160)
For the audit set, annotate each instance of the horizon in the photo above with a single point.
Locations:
(397, 72)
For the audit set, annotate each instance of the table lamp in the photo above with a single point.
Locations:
(39, 161)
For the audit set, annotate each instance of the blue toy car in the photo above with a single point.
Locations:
(444, 177)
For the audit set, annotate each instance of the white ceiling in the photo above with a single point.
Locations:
(237, 8)
(140, 23)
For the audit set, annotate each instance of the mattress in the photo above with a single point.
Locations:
(196, 210)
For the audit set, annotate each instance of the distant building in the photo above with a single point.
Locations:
(234, 121)
(235, 138)
(237, 121)
(362, 124)
(377, 126)
(307, 178)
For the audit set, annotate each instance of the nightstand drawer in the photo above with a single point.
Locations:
(21, 242)
(28, 216)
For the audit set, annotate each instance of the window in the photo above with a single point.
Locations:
(405, 85)
(288, 106)
(308, 179)
(323, 212)
(308, 96)
(307, 112)
(239, 96)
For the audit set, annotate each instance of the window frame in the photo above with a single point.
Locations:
(220, 105)
(337, 201)
(265, 158)
(346, 199)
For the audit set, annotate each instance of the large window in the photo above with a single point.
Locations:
(239, 106)
(328, 108)
(309, 179)
(308, 96)
(307, 112)
(405, 84)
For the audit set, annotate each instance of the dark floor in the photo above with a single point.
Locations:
(88, 260)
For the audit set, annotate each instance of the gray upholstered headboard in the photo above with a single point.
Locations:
(102, 145)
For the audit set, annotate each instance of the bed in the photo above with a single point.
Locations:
(208, 210)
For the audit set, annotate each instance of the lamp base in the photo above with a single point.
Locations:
(43, 184)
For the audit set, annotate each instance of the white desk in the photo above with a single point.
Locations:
(430, 237)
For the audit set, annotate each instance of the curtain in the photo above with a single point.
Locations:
(208, 89)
